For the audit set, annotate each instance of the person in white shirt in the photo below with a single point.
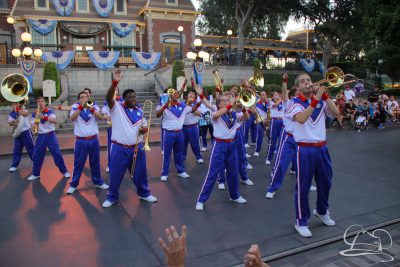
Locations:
(262, 107)
(276, 109)
(223, 152)
(87, 142)
(313, 160)
(349, 93)
(393, 101)
(25, 139)
(46, 121)
(174, 114)
(127, 150)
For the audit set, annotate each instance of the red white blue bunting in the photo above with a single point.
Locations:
(308, 64)
(28, 68)
(103, 7)
(43, 26)
(146, 61)
(61, 58)
(321, 67)
(64, 7)
(104, 59)
(123, 29)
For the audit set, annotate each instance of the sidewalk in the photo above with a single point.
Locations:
(67, 141)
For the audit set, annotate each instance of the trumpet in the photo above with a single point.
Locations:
(89, 104)
(248, 100)
(189, 101)
(217, 79)
(335, 77)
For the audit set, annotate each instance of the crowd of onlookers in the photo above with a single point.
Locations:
(378, 109)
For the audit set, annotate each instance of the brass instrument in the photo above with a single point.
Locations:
(248, 100)
(89, 104)
(335, 77)
(15, 88)
(146, 142)
(170, 92)
(37, 121)
(189, 101)
(217, 79)
(257, 79)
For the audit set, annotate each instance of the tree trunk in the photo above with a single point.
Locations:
(327, 52)
(240, 42)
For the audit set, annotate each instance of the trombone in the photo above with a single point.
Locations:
(248, 99)
(217, 79)
(335, 77)
(170, 92)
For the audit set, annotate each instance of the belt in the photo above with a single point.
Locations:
(191, 125)
(87, 137)
(289, 134)
(317, 144)
(124, 146)
(276, 118)
(224, 140)
(176, 131)
(47, 133)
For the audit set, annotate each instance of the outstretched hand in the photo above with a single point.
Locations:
(175, 251)
(117, 75)
(253, 257)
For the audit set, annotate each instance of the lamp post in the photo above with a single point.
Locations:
(11, 21)
(229, 33)
(380, 62)
(180, 30)
(315, 42)
(26, 50)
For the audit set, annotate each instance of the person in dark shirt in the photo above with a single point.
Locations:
(374, 95)
(351, 110)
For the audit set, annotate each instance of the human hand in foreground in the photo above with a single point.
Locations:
(175, 250)
(253, 258)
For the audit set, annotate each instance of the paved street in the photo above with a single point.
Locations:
(40, 225)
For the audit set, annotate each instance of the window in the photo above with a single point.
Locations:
(3, 4)
(171, 2)
(38, 39)
(82, 6)
(81, 45)
(41, 4)
(120, 7)
(120, 42)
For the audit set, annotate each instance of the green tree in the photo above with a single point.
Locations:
(178, 70)
(50, 72)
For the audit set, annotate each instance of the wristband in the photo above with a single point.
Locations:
(198, 104)
(118, 98)
(45, 118)
(17, 109)
(93, 110)
(314, 103)
(115, 83)
(244, 110)
(228, 107)
(325, 96)
(165, 106)
(202, 96)
(285, 80)
(144, 130)
(46, 110)
(59, 107)
(80, 107)
(217, 89)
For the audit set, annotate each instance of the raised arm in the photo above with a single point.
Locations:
(117, 77)
(285, 94)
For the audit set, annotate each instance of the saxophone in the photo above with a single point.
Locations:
(35, 129)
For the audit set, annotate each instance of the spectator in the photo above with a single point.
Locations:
(388, 111)
(340, 100)
(349, 93)
(359, 108)
(374, 95)
(393, 101)
(382, 96)
(351, 110)
(380, 116)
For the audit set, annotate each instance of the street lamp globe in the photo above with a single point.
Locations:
(229, 32)
(38, 52)
(197, 42)
(180, 29)
(380, 61)
(27, 52)
(26, 37)
(10, 20)
(206, 56)
(315, 40)
(16, 52)
(202, 54)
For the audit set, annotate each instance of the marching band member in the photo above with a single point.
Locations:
(313, 158)
(276, 125)
(87, 142)
(249, 125)
(128, 124)
(223, 153)
(173, 114)
(46, 121)
(191, 129)
(262, 109)
(287, 148)
(205, 123)
(25, 139)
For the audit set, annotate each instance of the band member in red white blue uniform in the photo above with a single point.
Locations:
(262, 109)
(205, 123)
(223, 152)
(276, 109)
(249, 125)
(24, 140)
(287, 148)
(128, 124)
(313, 158)
(86, 143)
(174, 114)
(191, 128)
(46, 121)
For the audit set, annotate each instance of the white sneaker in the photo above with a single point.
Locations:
(292, 172)
(249, 166)
(248, 156)
(150, 199)
(164, 178)
(12, 169)
(303, 230)
(239, 200)
(313, 188)
(199, 206)
(324, 218)
(103, 186)
(67, 175)
(71, 190)
(32, 177)
(267, 162)
(201, 161)
(107, 204)
(256, 154)
(246, 145)
(252, 144)
(183, 175)
(247, 182)
(162, 152)
(203, 149)
(108, 169)
(270, 195)
(221, 186)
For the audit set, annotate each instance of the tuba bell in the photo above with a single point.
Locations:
(248, 100)
(15, 87)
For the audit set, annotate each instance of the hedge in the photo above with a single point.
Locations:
(50, 72)
(178, 69)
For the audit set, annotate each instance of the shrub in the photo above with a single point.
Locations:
(50, 72)
(178, 69)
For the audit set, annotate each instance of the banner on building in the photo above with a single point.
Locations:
(123, 29)
(43, 26)
(104, 59)
(103, 7)
(146, 61)
(308, 64)
(28, 68)
(61, 58)
(64, 7)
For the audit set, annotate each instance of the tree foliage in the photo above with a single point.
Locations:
(50, 72)
(178, 70)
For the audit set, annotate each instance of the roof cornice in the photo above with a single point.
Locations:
(145, 10)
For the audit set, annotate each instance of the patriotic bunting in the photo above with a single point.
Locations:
(28, 68)
(61, 58)
(198, 68)
(308, 64)
(321, 67)
(123, 29)
(43, 26)
(277, 53)
(146, 61)
(64, 7)
(104, 59)
(103, 7)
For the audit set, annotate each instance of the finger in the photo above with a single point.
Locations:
(163, 245)
(170, 239)
(175, 234)
(183, 235)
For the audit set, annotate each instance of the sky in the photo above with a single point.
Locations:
(291, 25)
